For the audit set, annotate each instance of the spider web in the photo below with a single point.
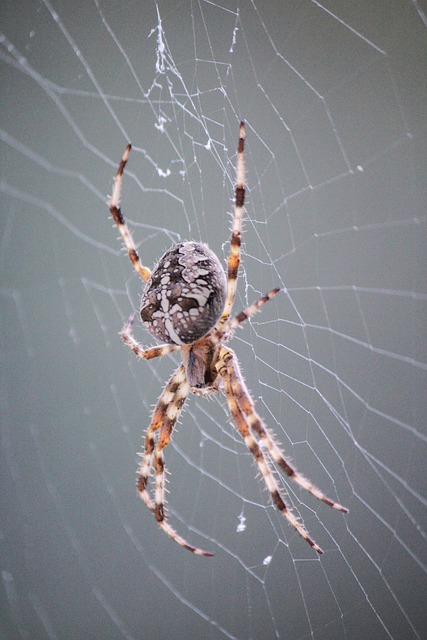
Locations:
(334, 97)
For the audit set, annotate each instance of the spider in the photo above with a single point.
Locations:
(186, 304)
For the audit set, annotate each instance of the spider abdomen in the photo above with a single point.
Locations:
(185, 295)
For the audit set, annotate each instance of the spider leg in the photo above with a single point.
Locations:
(128, 338)
(206, 391)
(235, 241)
(114, 203)
(256, 424)
(165, 415)
(234, 389)
(168, 405)
(220, 331)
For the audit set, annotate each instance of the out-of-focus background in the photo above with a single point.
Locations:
(334, 97)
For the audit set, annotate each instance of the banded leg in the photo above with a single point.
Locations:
(232, 391)
(240, 318)
(165, 415)
(128, 338)
(255, 423)
(166, 412)
(235, 241)
(114, 203)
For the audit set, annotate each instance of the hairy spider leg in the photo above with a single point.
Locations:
(114, 204)
(158, 351)
(236, 232)
(230, 373)
(165, 415)
(219, 332)
(267, 438)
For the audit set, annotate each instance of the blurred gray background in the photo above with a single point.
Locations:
(334, 96)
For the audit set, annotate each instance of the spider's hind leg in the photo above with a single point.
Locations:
(116, 212)
(236, 232)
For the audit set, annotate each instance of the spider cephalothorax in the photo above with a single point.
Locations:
(186, 303)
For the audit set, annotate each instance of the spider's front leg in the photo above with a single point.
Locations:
(254, 432)
(228, 369)
(165, 415)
